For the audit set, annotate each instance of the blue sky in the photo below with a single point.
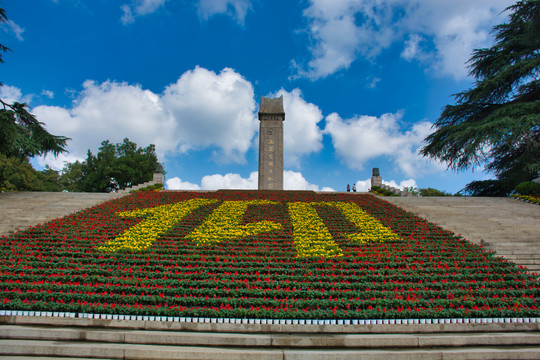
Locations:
(362, 81)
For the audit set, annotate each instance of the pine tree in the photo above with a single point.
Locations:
(497, 122)
(21, 134)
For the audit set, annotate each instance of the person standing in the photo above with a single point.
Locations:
(354, 187)
(348, 188)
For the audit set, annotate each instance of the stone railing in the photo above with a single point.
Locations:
(396, 190)
(376, 180)
(158, 178)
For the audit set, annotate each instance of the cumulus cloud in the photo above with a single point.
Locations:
(201, 110)
(439, 33)
(110, 111)
(234, 8)
(292, 180)
(213, 110)
(176, 183)
(365, 185)
(139, 8)
(363, 138)
(301, 135)
(229, 181)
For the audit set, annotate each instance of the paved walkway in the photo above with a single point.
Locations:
(507, 226)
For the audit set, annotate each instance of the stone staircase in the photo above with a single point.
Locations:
(507, 226)
(24, 337)
(158, 178)
(19, 210)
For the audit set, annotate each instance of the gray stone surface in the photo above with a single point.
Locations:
(19, 210)
(509, 227)
(376, 181)
(271, 116)
(100, 339)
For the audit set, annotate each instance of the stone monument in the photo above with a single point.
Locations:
(271, 117)
(376, 179)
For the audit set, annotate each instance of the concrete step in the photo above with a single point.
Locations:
(505, 226)
(136, 340)
(270, 340)
(29, 349)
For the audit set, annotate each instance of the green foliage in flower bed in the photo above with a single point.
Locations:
(426, 272)
(528, 188)
(528, 198)
(154, 187)
(382, 192)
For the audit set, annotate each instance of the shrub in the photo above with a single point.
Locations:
(528, 188)
(383, 192)
(432, 192)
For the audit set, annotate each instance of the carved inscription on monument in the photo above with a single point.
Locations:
(271, 116)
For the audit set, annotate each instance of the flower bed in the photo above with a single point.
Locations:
(249, 254)
(529, 198)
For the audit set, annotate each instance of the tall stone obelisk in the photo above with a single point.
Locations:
(271, 116)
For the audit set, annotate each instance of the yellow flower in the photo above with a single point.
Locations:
(311, 237)
(224, 223)
(160, 220)
(370, 229)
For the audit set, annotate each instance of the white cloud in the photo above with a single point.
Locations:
(402, 185)
(201, 110)
(57, 163)
(412, 48)
(213, 110)
(291, 181)
(373, 82)
(234, 8)
(365, 185)
(10, 94)
(301, 135)
(363, 138)
(139, 8)
(440, 33)
(11, 27)
(229, 181)
(110, 111)
(177, 184)
(48, 93)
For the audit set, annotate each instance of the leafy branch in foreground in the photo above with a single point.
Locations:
(497, 123)
(22, 135)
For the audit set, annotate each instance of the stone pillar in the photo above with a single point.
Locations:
(159, 178)
(376, 179)
(271, 116)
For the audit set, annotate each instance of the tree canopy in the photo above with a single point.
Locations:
(114, 167)
(496, 123)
